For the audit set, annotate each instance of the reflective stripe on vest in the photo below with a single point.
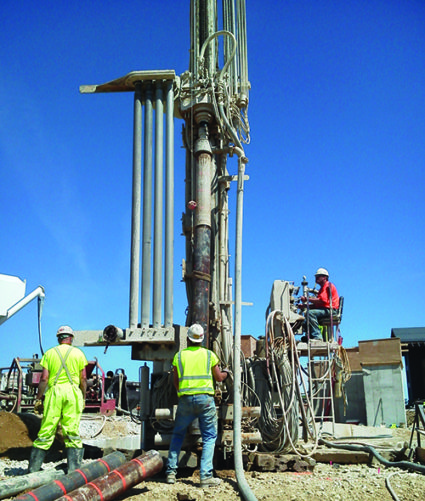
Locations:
(201, 377)
(63, 365)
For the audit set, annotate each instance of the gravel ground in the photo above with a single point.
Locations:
(326, 482)
(354, 483)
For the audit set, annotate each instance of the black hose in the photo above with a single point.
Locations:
(404, 465)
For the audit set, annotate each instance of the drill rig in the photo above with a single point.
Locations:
(260, 407)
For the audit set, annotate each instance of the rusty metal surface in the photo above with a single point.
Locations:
(76, 479)
(202, 248)
(119, 480)
(246, 438)
(201, 274)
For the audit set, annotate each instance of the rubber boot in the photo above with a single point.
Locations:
(74, 458)
(36, 459)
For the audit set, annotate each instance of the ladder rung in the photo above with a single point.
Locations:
(319, 362)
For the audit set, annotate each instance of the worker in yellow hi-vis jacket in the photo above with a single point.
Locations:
(194, 371)
(64, 374)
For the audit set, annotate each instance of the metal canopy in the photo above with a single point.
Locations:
(409, 334)
(128, 82)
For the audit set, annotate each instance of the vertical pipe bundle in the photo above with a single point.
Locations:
(157, 241)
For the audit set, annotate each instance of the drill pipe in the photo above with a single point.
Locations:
(118, 481)
(75, 479)
(16, 485)
(202, 249)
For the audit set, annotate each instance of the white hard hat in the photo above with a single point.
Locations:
(196, 333)
(64, 331)
(322, 271)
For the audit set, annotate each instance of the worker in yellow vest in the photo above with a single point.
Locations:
(194, 371)
(64, 374)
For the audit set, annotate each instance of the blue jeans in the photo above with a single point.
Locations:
(314, 316)
(191, 407)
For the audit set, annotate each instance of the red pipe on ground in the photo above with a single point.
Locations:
(75, 479)
(118, 481)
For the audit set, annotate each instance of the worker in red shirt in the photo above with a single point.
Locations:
(319, 307)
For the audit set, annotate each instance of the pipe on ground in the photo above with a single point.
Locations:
(16, 485)
(73, 480)
(118, 481)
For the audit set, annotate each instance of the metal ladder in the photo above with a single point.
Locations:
(320, 368)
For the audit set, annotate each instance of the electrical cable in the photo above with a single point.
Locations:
(279, 373)
(162, 394)
(342, 354)
(296, 365)
(135, 418)
(278, 432)
(388, 485)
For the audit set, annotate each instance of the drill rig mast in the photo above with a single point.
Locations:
(212, 99)
(213, 103)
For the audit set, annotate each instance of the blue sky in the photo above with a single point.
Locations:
(336, 160)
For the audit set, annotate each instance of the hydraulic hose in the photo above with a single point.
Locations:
(215, 35)
(404, 465)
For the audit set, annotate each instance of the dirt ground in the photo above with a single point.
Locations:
(14, 432)
(17, 433)
(327, 481)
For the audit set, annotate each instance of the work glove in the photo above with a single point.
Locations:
(229, 372)
(38, 407)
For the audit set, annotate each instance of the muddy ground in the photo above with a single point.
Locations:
(327, 481)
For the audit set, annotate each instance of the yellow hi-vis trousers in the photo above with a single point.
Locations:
(63, 404)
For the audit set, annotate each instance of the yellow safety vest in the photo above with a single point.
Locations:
(75, 362)
(194, 366)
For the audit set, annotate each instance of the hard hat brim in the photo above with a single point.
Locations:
(197, 340)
